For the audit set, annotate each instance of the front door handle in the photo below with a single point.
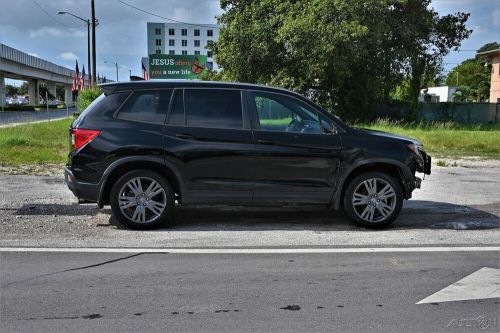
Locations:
(185, 136)
(265, 141)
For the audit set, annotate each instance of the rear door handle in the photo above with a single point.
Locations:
(265, 141)
(185, 136)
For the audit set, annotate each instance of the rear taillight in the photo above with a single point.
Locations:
(80, 137)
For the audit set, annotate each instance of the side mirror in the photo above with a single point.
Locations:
(328, 131)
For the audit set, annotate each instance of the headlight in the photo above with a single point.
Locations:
(414, 149)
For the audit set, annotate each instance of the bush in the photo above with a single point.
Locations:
(86, 97)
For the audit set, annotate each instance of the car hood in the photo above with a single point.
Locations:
(389, 135)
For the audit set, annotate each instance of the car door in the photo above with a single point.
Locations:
(211, 143)
(297, 154)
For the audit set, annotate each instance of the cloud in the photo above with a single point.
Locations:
(68, 56)
(56, 32)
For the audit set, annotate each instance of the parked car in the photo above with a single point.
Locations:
(143, 147)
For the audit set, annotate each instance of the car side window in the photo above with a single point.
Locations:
(215, 108)
(148, 106)
(285, 114)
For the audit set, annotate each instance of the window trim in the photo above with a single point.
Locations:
(130, 94)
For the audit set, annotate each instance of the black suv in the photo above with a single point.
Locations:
(142, 147)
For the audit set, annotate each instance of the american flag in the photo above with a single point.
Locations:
(145, 74)
(74, 86)
(82, 79)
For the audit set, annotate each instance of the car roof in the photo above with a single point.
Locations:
(110, 88)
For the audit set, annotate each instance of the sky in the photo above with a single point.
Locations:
(35, 28)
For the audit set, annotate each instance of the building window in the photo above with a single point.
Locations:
(184, 32)
(210, 33)
(196, 52)
(209, 54)
(210, 65)
(184, 42)
(171, 52)
(158, 31)
(171, 42)
(184, 52)
(158, 42)
(171, 32)
(158, 51)
(196, 43)
(196, 32)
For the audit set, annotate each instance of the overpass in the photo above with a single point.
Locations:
(15, 64)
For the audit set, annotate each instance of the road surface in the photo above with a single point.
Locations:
(14, 117)
(288, 292)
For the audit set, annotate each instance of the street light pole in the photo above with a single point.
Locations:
(88, 39)
(94, 24)
(116, 65)
(129, 71)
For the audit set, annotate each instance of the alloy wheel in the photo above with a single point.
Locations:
(374, 200)
(142, 200)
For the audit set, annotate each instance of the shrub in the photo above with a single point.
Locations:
(86, 97)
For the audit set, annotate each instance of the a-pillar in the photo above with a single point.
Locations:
(68, 95)
(33, 91)
(2, 91)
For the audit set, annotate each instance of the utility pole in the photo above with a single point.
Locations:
(94, 24)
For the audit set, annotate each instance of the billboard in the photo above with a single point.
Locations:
(165, 66)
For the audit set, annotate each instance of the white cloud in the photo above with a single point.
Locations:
(55, 32)
(68, 56)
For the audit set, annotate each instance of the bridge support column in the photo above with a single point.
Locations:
(68, 95)
(51, 86)
(2, 91)
(33, 91)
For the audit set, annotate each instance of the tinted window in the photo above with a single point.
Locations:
(104, 104)
(285, 114)
(213, 108)
(176, 115)
(146, 106)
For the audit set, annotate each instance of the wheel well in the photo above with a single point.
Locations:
(129, 166)
(389, 169)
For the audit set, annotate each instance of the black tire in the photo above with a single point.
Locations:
(380, 217)
(151, 218)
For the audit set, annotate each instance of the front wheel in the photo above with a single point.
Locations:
(373, 200)
(142, 199)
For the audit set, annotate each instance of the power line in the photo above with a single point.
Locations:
(46, 13)
(163, 17)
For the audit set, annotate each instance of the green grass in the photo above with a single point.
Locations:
(448, 139)
(41, 143)
(276, 122)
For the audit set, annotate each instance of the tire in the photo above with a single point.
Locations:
(155, 197)
(373, 200)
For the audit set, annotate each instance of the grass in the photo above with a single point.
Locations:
(447, 139)
(47, 143)
(40, 143)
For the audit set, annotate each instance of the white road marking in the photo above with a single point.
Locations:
(483, 283)
(257, 250)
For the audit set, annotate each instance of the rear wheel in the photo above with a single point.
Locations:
(142, 199)
(373, 200)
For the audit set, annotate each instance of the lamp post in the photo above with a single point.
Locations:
(116, 65)
(88, 40)
(129, 71)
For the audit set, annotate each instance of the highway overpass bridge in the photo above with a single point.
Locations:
(15, 64)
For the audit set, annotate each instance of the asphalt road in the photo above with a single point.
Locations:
(13, 117)
(162, 292)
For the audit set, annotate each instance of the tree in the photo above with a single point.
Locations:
(347, 54)
(11, 90)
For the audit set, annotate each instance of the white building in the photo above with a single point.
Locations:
(437, 94)
(182, 39)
